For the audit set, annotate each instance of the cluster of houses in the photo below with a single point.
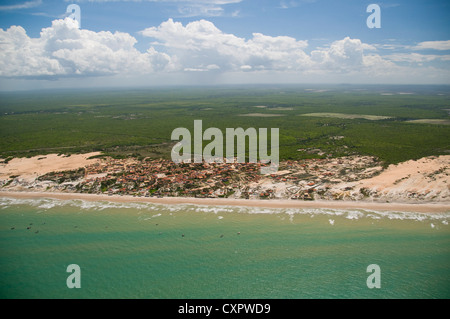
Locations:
(166, 178)
(308, 179)
(303, 180)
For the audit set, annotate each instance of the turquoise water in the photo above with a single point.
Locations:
(127, 250)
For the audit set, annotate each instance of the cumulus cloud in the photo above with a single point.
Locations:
(65, 50)
(201, 42)
(199, 47)
(344, 55)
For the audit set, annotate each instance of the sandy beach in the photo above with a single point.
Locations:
(414, 186)
(402, 207)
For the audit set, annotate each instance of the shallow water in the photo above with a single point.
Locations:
(128, 250)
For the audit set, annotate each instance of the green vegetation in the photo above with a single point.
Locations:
(139, 122)
(348, 116)
(61, 177)
(431, 121)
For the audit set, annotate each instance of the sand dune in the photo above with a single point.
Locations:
(31, 168)
(427, 179)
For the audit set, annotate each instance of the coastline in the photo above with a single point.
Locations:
(426, 207)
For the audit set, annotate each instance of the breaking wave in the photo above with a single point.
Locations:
(46, 204)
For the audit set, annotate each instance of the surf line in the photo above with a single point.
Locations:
(189, 309)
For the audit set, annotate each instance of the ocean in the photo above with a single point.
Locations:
(153, 251)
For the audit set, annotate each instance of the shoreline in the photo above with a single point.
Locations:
(345, 182)
(427, 207)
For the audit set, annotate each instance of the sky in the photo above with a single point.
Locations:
(125, 43)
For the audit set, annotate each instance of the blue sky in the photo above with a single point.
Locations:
(148, 42)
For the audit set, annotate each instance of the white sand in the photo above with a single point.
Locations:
(31, 168)
(428, 177)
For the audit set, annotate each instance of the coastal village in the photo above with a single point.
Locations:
(299, 180)
(344, 178)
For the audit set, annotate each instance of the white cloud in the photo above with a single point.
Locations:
(416, 57)
(343, 55)
(23, 56)
(199, 51)
(200, 10)
(195, 8)
(434, 45)
(426, 45)
(202, 42)
(25, 5)
(185, 8)
(288, 4)
(65, 50)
